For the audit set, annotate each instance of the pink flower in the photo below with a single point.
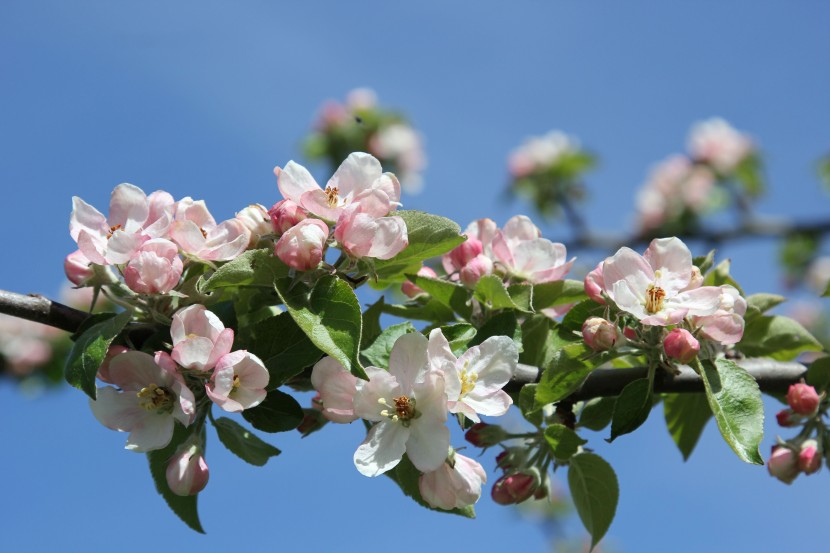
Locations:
(409, 405)
(155, 268)
(803, 399)
(257, 221)
(651, 287)
(716, 142)
(787, 418)
(196, 232)
(131, 222)
(360, 174)
(302, 246)
(783, 464)
(522, 253)
(77, 269)
(594, 284)
(541, 152)
(286, 214)
(485, 435)
(599, 334)
(187, 472)
(361, 233)
(337, 388)
(238, 381)
(471, 273)
(462, 254)
(809, 458)
(475, 380)
(454, 485)
(104, 369)
(199, 338)
(411, 290)
(151, 397)
(681, 346)
(401, 144)
(726, 324)
(675, 186)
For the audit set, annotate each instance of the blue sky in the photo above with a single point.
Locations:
(204, 98)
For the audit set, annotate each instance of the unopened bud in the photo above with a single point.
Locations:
(599, 334)
(516, 487)
(681, 346)
(77, 269)
(465, 252)
(286, 214)
(410, 289)
(783, 464)
(479, 266)
(187, 472)
(787, 418)
(485, 435)
(809, 458)
(803, 399)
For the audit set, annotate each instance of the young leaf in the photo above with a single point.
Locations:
(406, 476)
(595, 493)
(557, 292)
(568, 370)
(631, 409)
(278, 413)
(758, 304)
(596, 414)
(454, 296)
(377, 354)
(490, 291)
(563, 442)
(503, 324)
(330, 316)
(527, 405)
(735, 400)
(242, 443)
(89, 351)
(818, 374)
(428, 309)
(686, 417)
(720, 275)
(778, 337)
(252, 268)
(184, 506)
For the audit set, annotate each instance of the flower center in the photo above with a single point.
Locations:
(204, 232)
(331, 196)
(236, 381)
(155, 398)
(402, 409)
(654, 298)
(112, 231)
(468, 381)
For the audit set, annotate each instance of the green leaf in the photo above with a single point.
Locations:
(282, 345)
(704, 263)
(563, 442)
(521, 294)
(735, 400)
(595, 493)
(428, 309)
(720, 275)
(377, 354)
(763, 302)
(826, 291)
(776, 336)
(454, 296)
(252, 268)
(686, 417)
(596, 414)
(568, 370)
(406, 476)
(371, 323)
(330, 316)
(491, 292)
(89, 351)
(502, 324)
(538, 345)
(459, 336)
(557, 292)
(184, 506)
(429, 236)
(279, 412)
(242, 443)
(632, 408)
(527, 405)
(818, 374)
(571, 327)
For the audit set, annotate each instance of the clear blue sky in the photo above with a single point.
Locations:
(204, 98)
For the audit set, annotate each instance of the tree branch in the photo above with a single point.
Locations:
(39, 309)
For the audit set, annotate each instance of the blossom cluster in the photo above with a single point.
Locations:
(409, 406)
(805, 452)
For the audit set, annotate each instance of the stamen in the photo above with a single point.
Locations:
(468, 382)
(654, 298)
(331, 196)
(112, 231)
(155, 398)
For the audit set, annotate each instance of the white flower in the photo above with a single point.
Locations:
(238, 381)
(454, 485)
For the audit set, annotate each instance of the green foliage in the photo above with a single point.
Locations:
(184, 506)
(492, 293)
(596, 413)
(818, 374)
(89, 351)
(424, 308)
(563, 442)
(569, 368)
(252, 268)
(459, 336)
(720, 276)
(452, 295)
(686, 417)
(406, 476)
(377, 354)
(796, 253)
(502, 324)
(632, 408)
(758, 304)
(595, 493)
(776, 336)
(279, 412)
(242, 443)
(735, 400)
(527, 405)
(557, 292)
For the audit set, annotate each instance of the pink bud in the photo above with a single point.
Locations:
(482, 434)
(599, 334)
(187, 472)
(681, 346)
(809, 458)
(783, 464)
(286, 214)
(515, 488)
(76, 266)
(155, 268)
(301, 247)
(479, 266)
(505, 460)
(313, 420)
(594, 284)
(410, 289)
(787, 418)
(803, 399)
(465, 252)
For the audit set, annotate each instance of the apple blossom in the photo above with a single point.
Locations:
(104, 370)
(360, 174)
(783, 464)
(257, 220)
(238, 381)
(286, 214)
(594, 284)
(471, 273)
(187, 472)
(809, 457)
(475, 380)
(336, 387)
(149, 399)
(483, 230)
(675, 186)
(155, 268)
(541, 152)
(77, 269)
(519, 249)
(409, 405)
(454, 485)
(516, 487)
(196, 232)
(599, 334)
(803, 399)
(24, 345)
(462, 254)
(726, 324)
(681, 346)
(199, 338)
(716, 142)
(787, 418)
(410, 289)
(362, 234)
(401, 144)
(302, 246)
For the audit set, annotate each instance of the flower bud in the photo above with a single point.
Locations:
(301, 247)
(506, 460)
(256, 219)
(155, 268)
(803, 399)
(599, 334)
(783, 464)
(479, 266)
(681, 346)
(187, 472)
(809, 458)
(313, 420)
(465, 252)
(516, 487)
(410, 289)
(594, 284)
(787, 418)
(77, 269)
(286, 214)
(485, 435)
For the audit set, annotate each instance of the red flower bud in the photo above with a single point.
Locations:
(803, 399)
(787, 418)
(516, 487)
(809, 458)
(482, 434)
(681, 346)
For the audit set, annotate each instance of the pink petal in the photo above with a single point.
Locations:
(128, 208)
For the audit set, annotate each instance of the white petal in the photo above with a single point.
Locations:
(408, 361)
(382, 449)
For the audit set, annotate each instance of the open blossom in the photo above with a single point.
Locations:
(409, 405)
(360, 232)
(337, 388)
(716, 142)
(155, 268)
(199, 338)
(674, 186)
(286, 214)
(302, 246)
(360, 174)
(726, 324)
(454, 485)
(541, 152)
(152, 396)
(521, 252)
(238, 381)
(196, 232)
(474, 381)
(257, 220)
(654, 287)
(401, 144)
(133, 219)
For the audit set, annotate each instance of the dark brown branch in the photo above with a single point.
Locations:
(39, 309)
